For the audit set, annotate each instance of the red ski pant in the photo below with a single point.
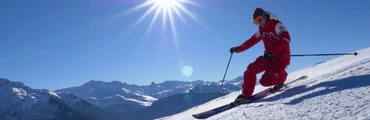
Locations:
(274, 74)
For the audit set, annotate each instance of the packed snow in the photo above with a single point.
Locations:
(335, 89)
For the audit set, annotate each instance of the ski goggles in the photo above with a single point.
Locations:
(257, 20)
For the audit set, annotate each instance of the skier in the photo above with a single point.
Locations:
(276, 40)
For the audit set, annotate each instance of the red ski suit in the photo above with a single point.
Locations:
(276, 40)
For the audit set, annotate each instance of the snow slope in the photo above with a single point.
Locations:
(335, 89)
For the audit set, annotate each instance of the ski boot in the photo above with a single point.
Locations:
(277, 87)
(242, 99)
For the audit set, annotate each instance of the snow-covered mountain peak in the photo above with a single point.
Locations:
(20, 102)
(14, 95)
(94, 83)
(172, 82)
(239, 78)
(4, 81)
(99, 83)
(117, 82)
(152, 84)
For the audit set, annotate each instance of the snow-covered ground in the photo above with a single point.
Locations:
(335, 89)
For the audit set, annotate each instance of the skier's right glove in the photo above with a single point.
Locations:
(268, 56)
(232, 50)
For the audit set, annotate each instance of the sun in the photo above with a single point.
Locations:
(166, 3)
(168, 9)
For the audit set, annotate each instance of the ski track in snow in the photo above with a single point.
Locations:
(335, 89)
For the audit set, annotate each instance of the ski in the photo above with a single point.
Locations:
(258, 96)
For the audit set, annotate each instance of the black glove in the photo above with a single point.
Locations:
(232, 50)
(267, 56)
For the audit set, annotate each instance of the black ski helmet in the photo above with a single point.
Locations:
(258, 12)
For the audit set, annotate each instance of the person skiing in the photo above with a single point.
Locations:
(276, 41)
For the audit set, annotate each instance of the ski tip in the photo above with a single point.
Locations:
(196, 116)
(303, 77)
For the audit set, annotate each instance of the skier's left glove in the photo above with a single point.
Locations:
(232, 50)
(268, 56)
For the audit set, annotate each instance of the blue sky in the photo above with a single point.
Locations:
(58, 44)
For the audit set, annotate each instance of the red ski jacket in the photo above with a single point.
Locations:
(276, 40)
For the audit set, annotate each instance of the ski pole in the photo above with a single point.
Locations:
(225, 72)
(331, 54)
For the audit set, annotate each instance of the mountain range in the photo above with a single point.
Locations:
(108, 100)
(125, 100)
(20, 102)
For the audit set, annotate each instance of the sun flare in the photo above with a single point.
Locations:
(168, 10)
(187, 70)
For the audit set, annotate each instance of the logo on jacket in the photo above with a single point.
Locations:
(280, 28)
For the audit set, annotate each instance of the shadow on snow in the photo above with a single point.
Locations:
(330, 87)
